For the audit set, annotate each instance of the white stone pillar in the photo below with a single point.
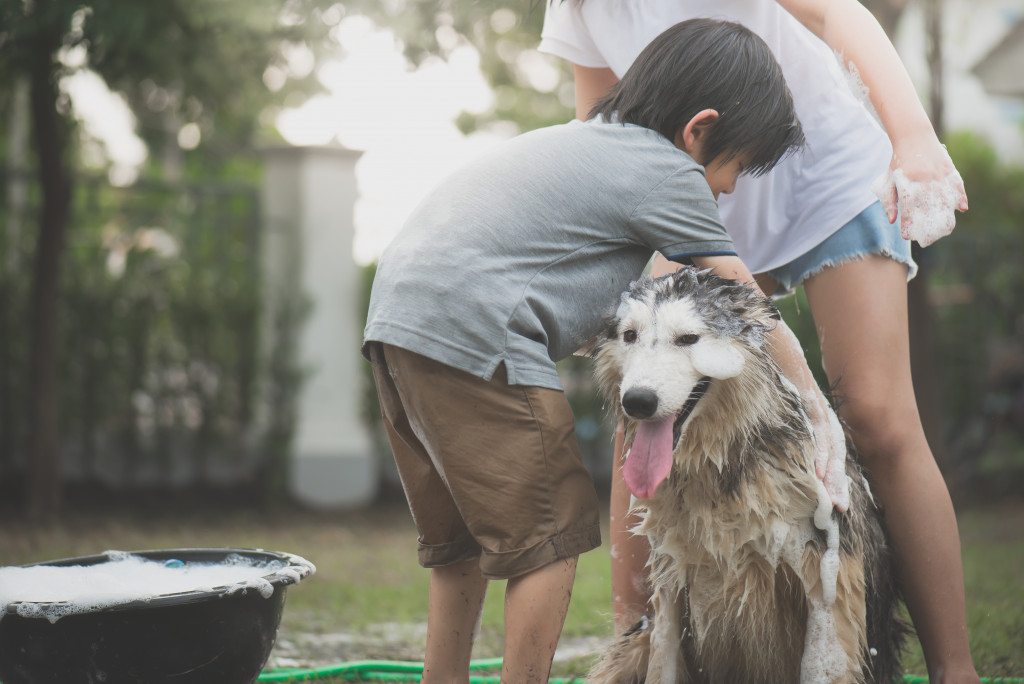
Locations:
(308, 199)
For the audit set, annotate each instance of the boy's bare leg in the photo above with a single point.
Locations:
(535, 608)
(631, 589)
(860, 310)
(456, 600)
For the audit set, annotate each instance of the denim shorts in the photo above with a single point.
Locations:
(868, 233)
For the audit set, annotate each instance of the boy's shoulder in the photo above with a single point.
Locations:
(612, 141)
(600, 163)
(603, 127)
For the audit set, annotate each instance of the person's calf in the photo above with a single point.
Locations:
(456, 601)
(535, 607)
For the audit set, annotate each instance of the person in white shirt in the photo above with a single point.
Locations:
(822, 219)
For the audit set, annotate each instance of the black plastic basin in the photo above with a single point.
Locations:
(217, 636)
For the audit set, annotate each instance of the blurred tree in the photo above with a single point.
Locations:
(179, 62)
(923, 359)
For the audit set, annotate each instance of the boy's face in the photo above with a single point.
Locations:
(722, 174)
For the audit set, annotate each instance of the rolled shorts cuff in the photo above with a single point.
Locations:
(508, 564)
(439, 555)
(867, 234)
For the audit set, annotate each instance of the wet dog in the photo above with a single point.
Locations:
(755, 577)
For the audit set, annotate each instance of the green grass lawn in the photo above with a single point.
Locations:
(367, 575)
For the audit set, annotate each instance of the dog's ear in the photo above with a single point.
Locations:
(760, 314)
(771, 311)
(717, 358)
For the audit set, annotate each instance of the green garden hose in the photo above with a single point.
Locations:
(404, 671)
(923, 679)
(387, 671)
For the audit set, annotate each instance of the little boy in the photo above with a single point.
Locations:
(509, 266)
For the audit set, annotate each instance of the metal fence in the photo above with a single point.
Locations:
(159, 331)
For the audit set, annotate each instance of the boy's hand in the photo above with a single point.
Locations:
(922, 183)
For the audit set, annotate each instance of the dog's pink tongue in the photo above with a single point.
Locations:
(650, 457)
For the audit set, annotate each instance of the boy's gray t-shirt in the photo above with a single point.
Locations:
(518, 257)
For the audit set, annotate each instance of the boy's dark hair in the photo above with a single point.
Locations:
(709, 64)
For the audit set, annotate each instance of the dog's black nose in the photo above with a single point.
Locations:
(640, 403)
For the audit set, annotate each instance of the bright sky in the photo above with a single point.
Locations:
(374, 101)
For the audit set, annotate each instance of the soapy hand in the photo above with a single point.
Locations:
(926, 188)
(830, 443)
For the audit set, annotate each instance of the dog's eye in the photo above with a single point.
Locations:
(687, 339)
(629, 336)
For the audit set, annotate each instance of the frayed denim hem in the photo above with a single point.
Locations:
(787, 286)
(867, 234)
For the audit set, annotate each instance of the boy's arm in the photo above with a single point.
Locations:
(927, 187)
(830, 462)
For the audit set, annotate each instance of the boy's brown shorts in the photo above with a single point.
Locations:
(491, 470)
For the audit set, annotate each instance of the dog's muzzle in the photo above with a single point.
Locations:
(654, 440)
(640, 403)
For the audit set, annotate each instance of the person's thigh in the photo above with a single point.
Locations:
(860, 312)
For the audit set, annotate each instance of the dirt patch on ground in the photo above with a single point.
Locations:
(401, 642)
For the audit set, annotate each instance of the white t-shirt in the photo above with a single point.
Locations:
(775, 218)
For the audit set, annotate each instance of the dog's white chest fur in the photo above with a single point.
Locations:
(725, 558)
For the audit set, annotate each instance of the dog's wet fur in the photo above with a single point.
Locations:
(736, 558)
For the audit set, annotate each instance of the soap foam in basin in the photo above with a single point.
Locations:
(54, 591)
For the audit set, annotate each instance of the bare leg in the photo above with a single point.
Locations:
(535, 608)
(631, 589)
(860, 310)
(456, 601)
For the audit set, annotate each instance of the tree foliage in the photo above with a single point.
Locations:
(208, 57)
(977, 281)
(180, 61)
(531, 89)
(203, 64)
